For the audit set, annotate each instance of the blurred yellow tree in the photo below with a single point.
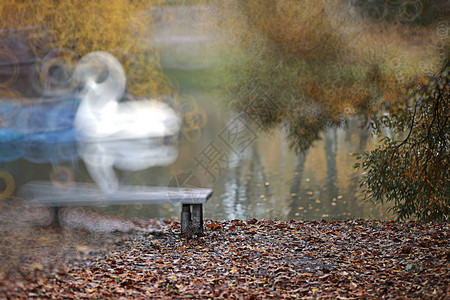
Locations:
(122, 27)
(308, 65)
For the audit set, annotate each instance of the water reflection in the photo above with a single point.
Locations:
(296, 183)
(100, 158)
(270, 181)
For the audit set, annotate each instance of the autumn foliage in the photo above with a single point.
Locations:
(237, 259)
(412, 170)
(123, 28)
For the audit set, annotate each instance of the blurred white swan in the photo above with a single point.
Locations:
(127, 135)
(102, 116)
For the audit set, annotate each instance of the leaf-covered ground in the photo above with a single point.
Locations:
(253, 259)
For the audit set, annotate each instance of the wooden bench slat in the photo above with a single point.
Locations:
(80, 194)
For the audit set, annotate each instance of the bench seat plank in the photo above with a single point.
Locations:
(89, 194)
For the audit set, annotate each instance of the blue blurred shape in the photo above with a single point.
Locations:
(11, 138)
(40, 132)
(51, 135)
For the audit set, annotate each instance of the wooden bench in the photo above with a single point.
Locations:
(89, 194)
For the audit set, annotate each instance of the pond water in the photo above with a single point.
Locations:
(253, 174)
(265, 179)
(261, 177)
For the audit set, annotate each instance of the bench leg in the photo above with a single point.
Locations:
(55, 217)
(197, 219)
(186, 222)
